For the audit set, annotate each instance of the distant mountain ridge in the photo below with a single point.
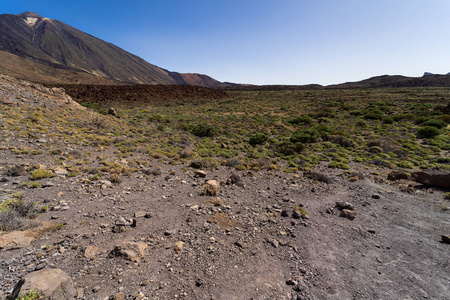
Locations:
(75, 56)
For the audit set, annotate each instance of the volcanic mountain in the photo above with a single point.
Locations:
(46, 50)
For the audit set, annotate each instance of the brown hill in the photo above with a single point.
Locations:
(387, 81)
(56, 45)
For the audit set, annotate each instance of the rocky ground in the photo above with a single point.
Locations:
(161, 233)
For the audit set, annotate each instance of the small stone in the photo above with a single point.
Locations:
(198, 282)
(445, 238)
(118, 296)
(274, 243)
(144, 283)
(376, 196)
(148, 215)
(200, 174)
(121, 222)
(96, 289)
(291, 282)
(132, 251)
(372, 231)
(54, 217)
(140, 214)
(40, 266)
(170, 232)
(285, 213)
(179, 246)
(239, 244)
(90, 252)
(60, 171)
(118, 229)
(47, 184)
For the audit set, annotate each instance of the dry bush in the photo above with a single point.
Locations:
(14, 217)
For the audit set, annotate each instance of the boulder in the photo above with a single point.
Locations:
(432, 178)
(396, 175)
(133, 251)
(345, 205)
(113, 112)
(16, 240)
(17, 171)
(349, 214)
(53, 284)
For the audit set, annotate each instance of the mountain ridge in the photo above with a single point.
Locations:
(55, 44)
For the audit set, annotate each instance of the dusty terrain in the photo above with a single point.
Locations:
(244, 243)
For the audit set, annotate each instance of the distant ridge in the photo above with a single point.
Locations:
(431, 74)
(60, 53)
(386, 81)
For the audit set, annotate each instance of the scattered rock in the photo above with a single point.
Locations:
(299, 213)
(210, 188)
(118, 229)
(112, 112)
(445, 238)
(140, 214)
(60, 171)
(345, 205)
(349, 214)
(432, 178)
(170, 232)
(200, 174)
(133, 251)
(16, 171)
(235, 179)
(376, 196)
(179, 246)
(16, 240)
(118, 296)
(196, 165)
(121, 222)
(96, 288)
(54, 284)
(90, 252)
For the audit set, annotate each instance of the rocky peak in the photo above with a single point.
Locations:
(29, 14)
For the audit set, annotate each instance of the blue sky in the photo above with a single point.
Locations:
(268, 42)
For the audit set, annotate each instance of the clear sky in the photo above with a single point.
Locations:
(267, 41)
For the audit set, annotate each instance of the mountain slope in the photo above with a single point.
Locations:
(56, 44)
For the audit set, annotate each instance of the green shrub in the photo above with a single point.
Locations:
(31, 295)
(310, 135)
(388, 120)
(338, 165)
(427, 132)
(41, 173)
(300, 120)
(289, 148)
(434, 123)
(203, 130)
(373, 115)
(258, 139)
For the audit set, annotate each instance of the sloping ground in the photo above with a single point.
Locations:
(139, 94)
(29, 70)
(245, 242)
